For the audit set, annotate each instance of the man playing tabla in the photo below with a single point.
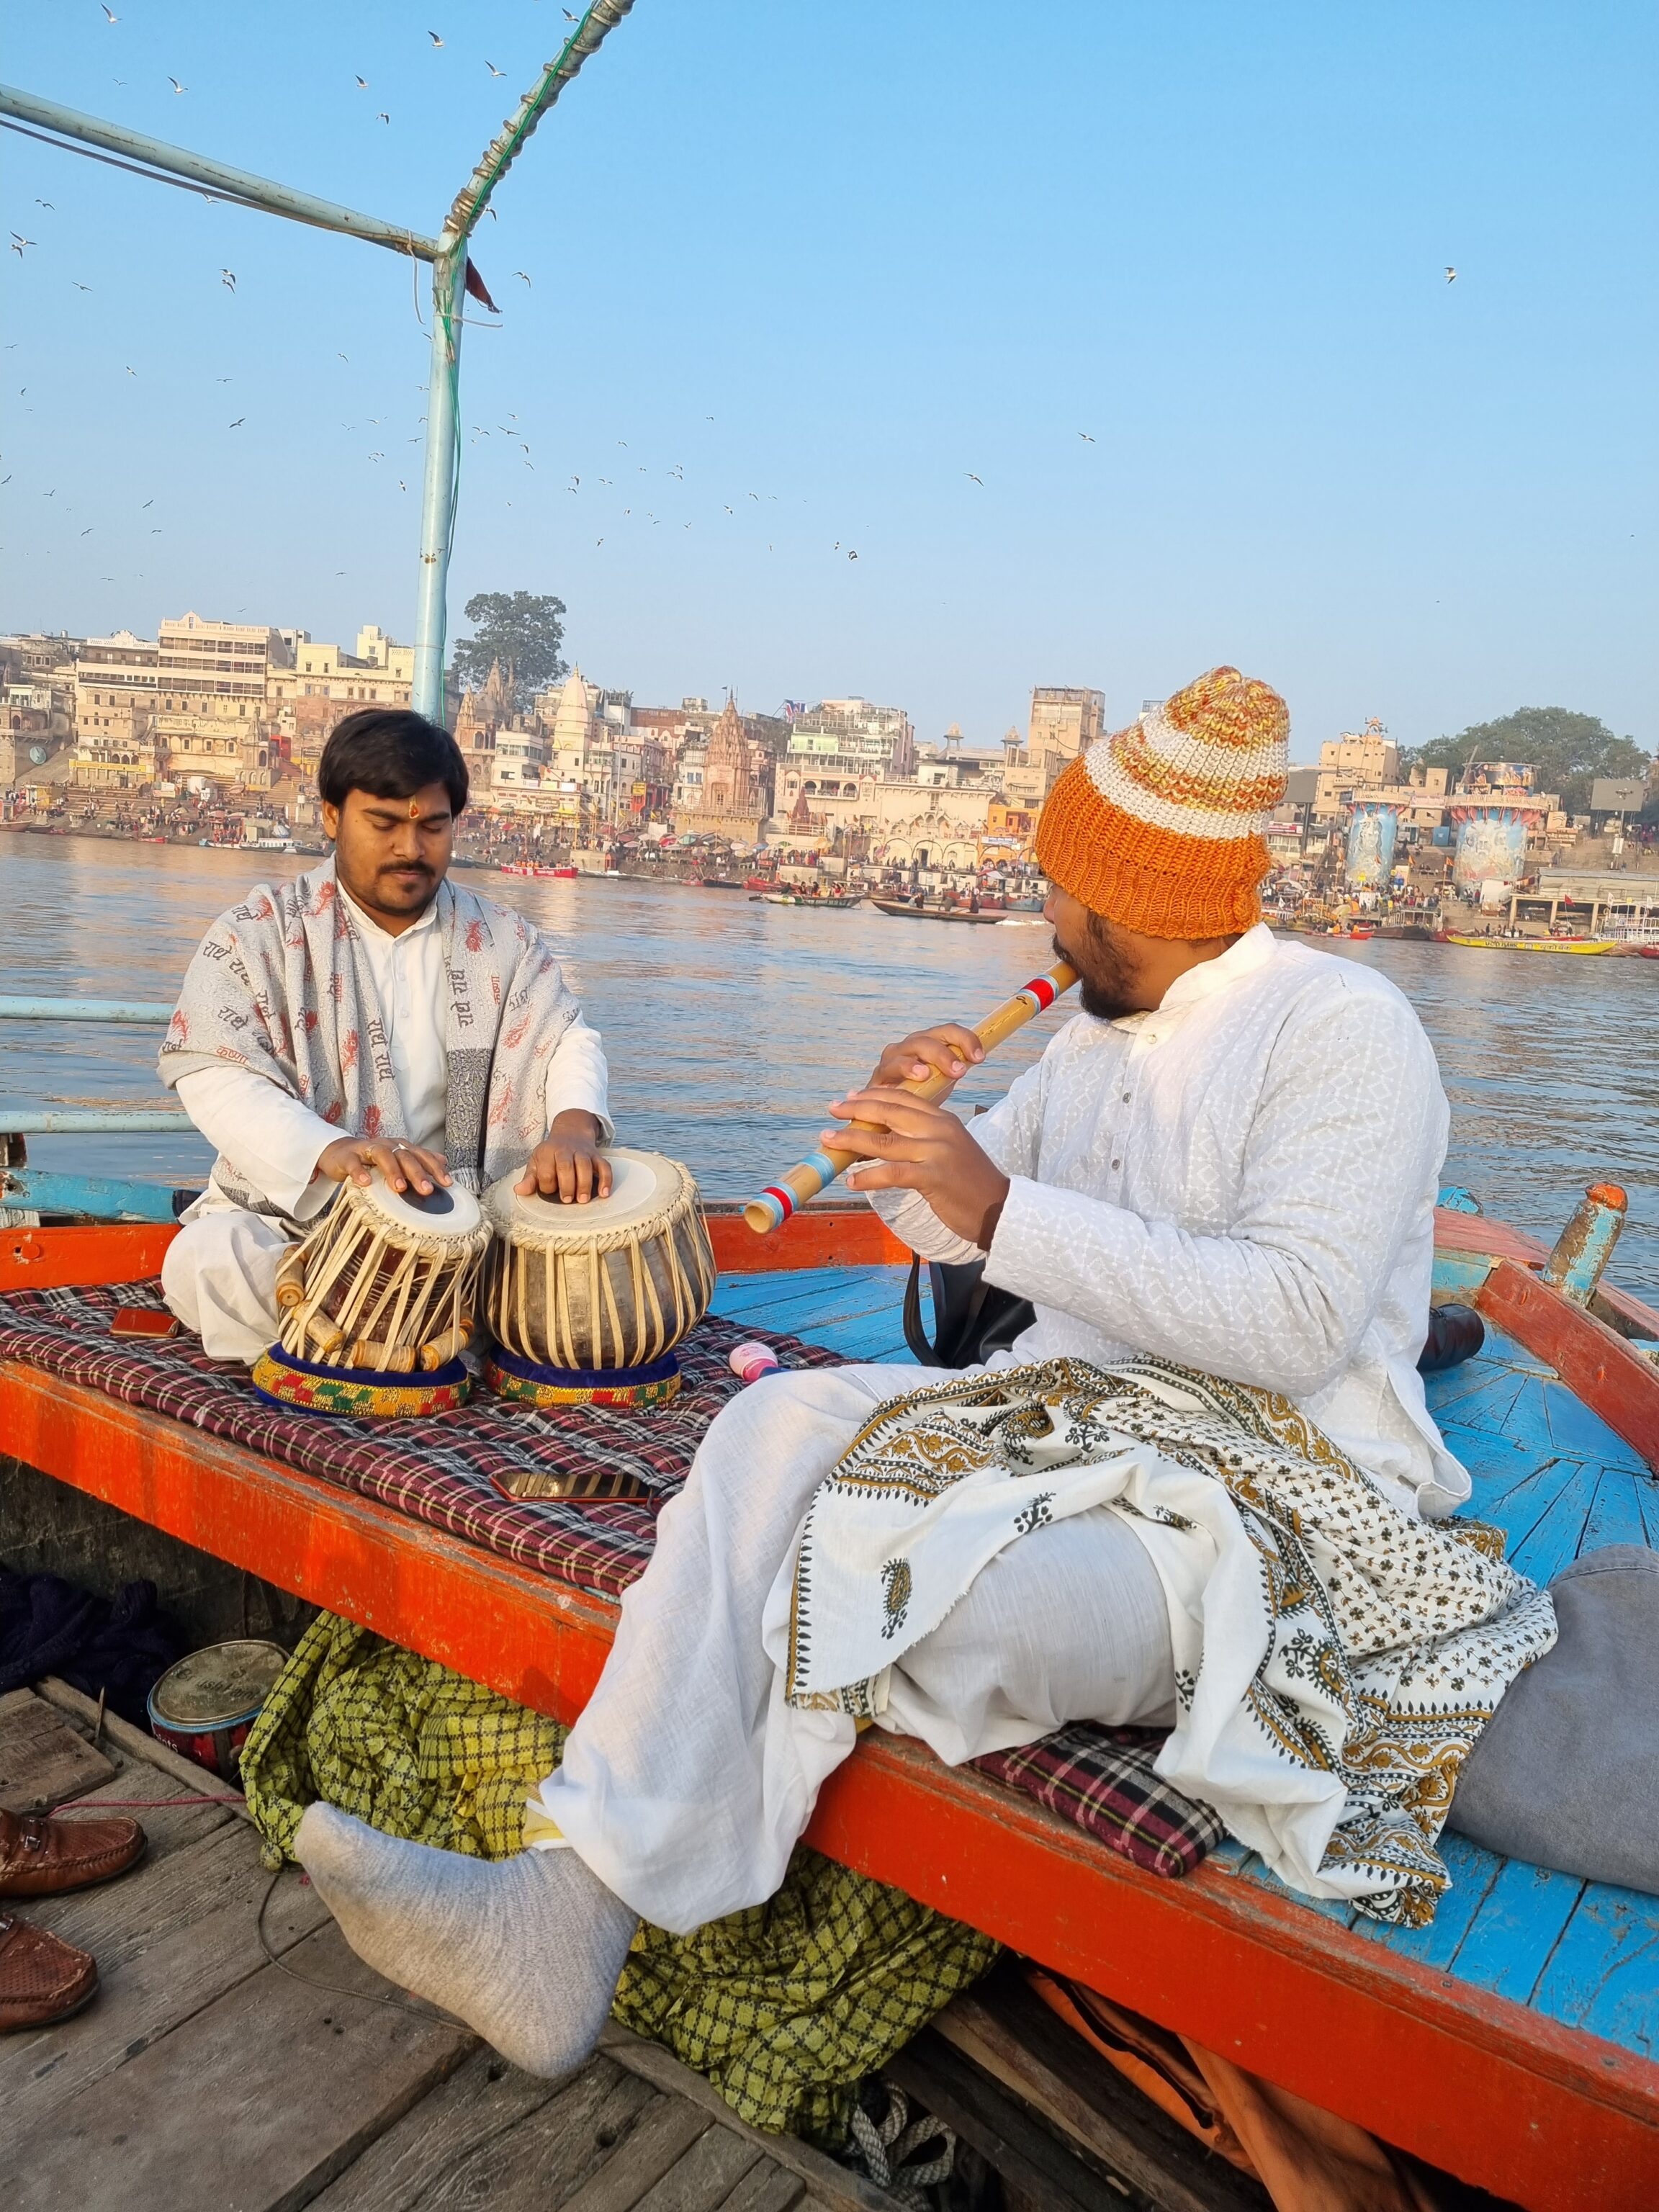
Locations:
(369, 1015)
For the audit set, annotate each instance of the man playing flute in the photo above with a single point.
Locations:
(369, 1016)
(1200, 1494)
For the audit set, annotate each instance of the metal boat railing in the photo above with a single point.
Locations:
(26, 1193)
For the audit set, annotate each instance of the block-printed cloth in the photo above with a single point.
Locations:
(283, 986)
(1335, 1661)
(444, 1471)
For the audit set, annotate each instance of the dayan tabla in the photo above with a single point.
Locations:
(377, 1303)
(587, 1302)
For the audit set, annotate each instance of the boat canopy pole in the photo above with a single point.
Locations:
(241, 185)
(447, 252)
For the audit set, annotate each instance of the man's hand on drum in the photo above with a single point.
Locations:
(914, 1146)
(568, 1164)
(352, 1159)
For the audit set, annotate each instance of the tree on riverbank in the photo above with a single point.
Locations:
(1569, 750)
(521, 631)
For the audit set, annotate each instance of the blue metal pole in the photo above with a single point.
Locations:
(438, 490)
(235, 184)
(56, 1121)
(82, 1010)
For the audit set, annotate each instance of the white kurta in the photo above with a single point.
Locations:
(219, 1274)
(1243, 1182)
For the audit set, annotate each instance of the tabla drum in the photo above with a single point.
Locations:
(376, 1304)
(587, 1302)
(205, 1705)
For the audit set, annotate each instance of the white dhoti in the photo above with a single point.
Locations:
(688, 1779)
(219, 1276)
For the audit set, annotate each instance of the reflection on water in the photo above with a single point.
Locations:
(728, 1025)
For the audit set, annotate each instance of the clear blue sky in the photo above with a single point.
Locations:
(881, 247)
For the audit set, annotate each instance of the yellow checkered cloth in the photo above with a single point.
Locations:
(785, 2008)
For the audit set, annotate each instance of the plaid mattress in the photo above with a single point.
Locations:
(1102, 1779)
(444, 1469)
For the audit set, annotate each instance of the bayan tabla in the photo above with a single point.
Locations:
(587, 1302)
(377, 1303)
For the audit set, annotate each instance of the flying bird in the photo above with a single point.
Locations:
(494, 71)
(569, 17)
(238, 423)
(344, 357)
(228, 278)
(79, 287)
(972, 478)
(1086, 439)
(133, 372)
(110, 15)
(148, 502)
(522, 278)
(87, 532)
(381, 117)
(436, 40)
(852, 557)
(47, 205)
(362, 81)
(18, 243)
(176, 87)
(1451, 275)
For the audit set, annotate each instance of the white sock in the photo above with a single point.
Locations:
(528, 1951)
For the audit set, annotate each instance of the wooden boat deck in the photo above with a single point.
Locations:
(1511, 2042)
(205, 2075)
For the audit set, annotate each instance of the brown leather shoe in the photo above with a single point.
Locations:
(39, 1857)
(42, 1980)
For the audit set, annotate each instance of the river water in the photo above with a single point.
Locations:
(729, 1024)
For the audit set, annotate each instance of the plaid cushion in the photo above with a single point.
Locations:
(447, 1470)
(443, 1469)
(1102, 1778)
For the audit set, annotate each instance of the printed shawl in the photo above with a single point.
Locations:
(281, 986)
(1335, 1661)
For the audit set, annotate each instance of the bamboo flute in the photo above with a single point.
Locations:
(775, 1204)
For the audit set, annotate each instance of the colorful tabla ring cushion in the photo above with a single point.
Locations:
(360, 1393)
(587, 1302)
(205, 1705)
(532, 1384)
(376, 1304)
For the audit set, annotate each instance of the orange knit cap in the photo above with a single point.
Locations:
(1158, 827)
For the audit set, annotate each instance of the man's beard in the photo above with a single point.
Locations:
(1105, 983)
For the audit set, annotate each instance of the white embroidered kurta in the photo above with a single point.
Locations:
(219, 1274)
(1244, 1182)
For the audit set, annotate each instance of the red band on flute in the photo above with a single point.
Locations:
(785, 1198)
(1041, 988)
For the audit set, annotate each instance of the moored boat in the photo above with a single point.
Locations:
(908, 911)
(1578, 945)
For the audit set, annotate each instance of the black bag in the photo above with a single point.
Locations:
(971, 1317)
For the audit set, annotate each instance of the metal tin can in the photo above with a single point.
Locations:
(205, 1705)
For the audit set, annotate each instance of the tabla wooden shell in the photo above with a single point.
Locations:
(387, 1281)
(613, 1283)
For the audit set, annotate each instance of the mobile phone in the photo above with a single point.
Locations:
(143, 1320)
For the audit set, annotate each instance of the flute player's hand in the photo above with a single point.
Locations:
(910, 1145)
(950, 1050)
